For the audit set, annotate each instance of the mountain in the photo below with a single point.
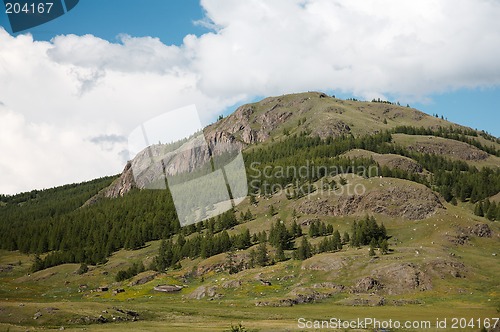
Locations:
(357, 208)
(316, 114)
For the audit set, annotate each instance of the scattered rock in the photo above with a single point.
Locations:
(301, 296)
(366, 284)
(203, 291)
(118, 291)
(480, 230)
(144, 279)
(6, 268)
(399, 278)
(442, 268)
(459, 239)
(51, 310)
(265, 282)
(324, 262)
(366, 301)
(127, 312)
(167, 288)
(232, 284)
(308, 222)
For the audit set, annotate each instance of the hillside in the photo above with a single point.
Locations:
(395, 216)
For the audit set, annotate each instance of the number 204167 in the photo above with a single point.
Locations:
(32, 8)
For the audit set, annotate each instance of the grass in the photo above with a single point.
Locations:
(57, 295)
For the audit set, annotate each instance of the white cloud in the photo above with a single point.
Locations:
(65, 92)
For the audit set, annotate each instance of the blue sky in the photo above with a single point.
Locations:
(85, 80)
(168, 20)
(171, 21)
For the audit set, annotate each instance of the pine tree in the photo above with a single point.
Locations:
(82, 269)
(384, 247)
(253, 258)
(248, 215)
(492, 211)
(478, 209)
(304, 251)
(345, 238)
(230, 264)
(372, 247)
(262, 258)
(329, 229)
(37, 264)
(336, 240)
(272, 211)
(280, 254)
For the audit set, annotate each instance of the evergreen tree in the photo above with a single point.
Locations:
(280, 254)
(478, 209)
(37, 264)
(272, 211)
(262, 258)
(82, 269)
(372, 247)
(346, 239)
(384, 247)
(253, 258)
(248, 215)
(304, 251)
(230, 263)
(492, 211)
(337, 241)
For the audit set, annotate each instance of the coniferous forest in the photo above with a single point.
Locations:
(55, 222)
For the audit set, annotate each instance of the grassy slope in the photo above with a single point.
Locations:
(453, 148)
(57, 287)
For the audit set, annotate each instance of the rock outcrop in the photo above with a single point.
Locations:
(412, 202)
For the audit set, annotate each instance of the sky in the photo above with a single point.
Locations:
(73, 89)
